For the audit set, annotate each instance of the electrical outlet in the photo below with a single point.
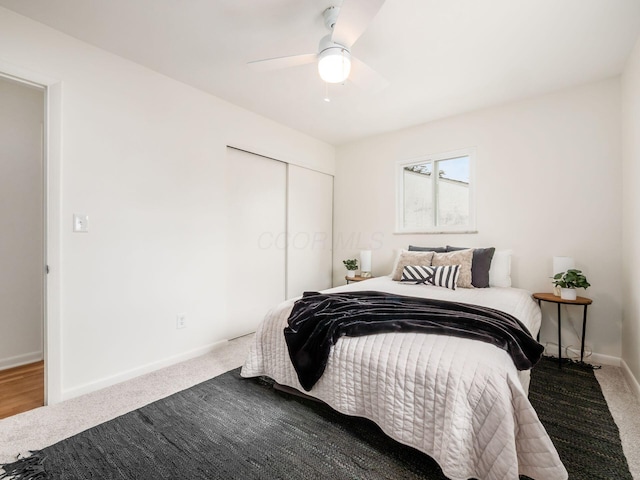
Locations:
(181, 321)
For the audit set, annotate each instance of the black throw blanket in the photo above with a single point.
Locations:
(318, 320)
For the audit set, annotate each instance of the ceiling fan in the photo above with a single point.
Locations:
(335, 62)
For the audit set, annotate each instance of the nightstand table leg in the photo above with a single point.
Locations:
(540, 307)
(584, 328)
(559, 339)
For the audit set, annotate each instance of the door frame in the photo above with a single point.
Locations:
(52, 163)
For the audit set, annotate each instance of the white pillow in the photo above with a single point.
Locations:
(500, 271)
(396, 258)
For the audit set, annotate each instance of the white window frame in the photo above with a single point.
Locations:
(401, 164)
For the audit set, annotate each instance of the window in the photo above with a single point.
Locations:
(436, 193)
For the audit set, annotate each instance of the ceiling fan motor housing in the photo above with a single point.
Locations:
(331, 17)
(326, 43)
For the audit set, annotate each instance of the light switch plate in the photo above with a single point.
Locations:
(80, 222)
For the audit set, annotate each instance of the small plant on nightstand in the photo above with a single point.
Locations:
(351, 265)
(568, 281)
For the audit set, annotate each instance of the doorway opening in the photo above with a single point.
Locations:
(22, 244)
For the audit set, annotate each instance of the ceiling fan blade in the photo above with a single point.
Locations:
(354, 18)
(366, 78)
(282, 62)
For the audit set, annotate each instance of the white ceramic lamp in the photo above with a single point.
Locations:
(365, 263)
(562, 264)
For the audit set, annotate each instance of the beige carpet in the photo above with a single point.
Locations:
(625, 408)
(47, 425)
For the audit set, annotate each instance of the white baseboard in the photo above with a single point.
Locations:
(630, 378)
(603, 359)
(136, 372)
(20, 360)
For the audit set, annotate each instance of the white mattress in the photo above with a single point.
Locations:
(460, 401)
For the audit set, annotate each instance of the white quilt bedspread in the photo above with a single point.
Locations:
(460, 401)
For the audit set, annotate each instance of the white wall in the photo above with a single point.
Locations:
(548, 183)
(631, 214)
(21, 223)
(143, 156)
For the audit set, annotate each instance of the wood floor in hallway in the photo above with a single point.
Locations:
(21, 389)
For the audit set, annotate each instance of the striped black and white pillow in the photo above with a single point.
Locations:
(440, 276)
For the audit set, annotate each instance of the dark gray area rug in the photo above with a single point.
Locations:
(234, 428)
(570, 404)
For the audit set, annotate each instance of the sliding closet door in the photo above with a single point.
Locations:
(256, 224)
(310, 225)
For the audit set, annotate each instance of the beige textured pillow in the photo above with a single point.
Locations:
(406, 258)
(459, 257)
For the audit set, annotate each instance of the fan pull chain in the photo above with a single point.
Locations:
(326, 92)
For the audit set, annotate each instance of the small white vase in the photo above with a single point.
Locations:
(568, 294)
(351, 273)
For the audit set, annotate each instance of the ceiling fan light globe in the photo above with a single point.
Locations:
(334, 65)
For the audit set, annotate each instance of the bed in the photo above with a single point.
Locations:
(460, 401)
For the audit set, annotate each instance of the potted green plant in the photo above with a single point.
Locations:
(568, 282)
(351, 265)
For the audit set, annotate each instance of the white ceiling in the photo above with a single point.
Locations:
(441, 57)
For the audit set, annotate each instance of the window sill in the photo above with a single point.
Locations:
(434, 232)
